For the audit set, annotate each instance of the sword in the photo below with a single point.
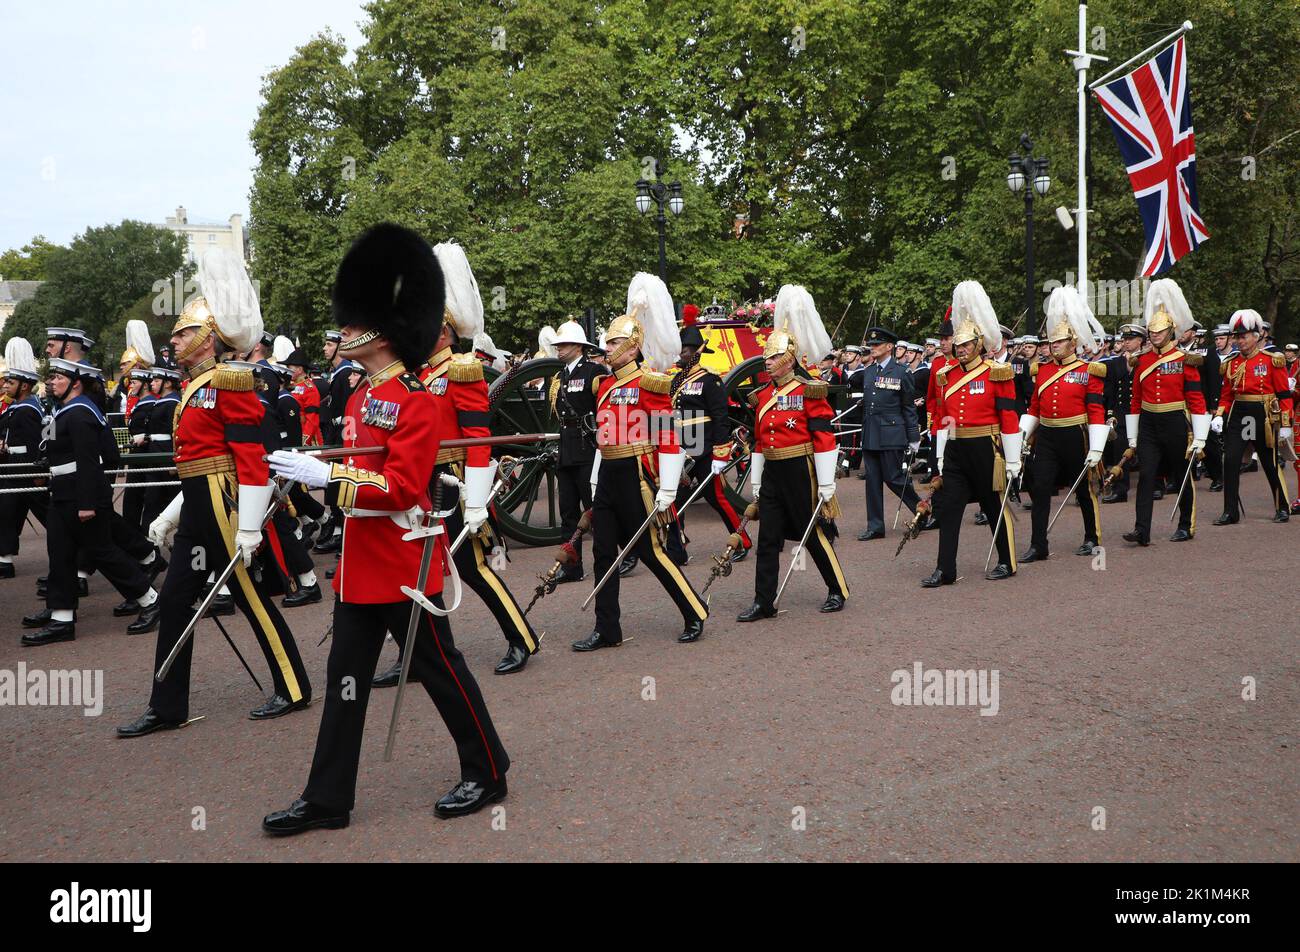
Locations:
(705, 481)
(622, 554)
(1061, 508)
(907, 477)
(998, 528)
(225, 634)
(506, 467)
(277, 500)
(1183, 488)
(817, 511)
(722, 564)
(567, 556)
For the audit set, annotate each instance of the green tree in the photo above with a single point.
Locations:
(30, 262)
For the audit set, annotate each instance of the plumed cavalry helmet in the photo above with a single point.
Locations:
(973, 317)
(463, 309)
(139, 348)
(1070, 318)
(390, 283)
(20, 361)
(1167, 309)
(228, 306)
(797, 329)
(649, 325)
(1246, 321)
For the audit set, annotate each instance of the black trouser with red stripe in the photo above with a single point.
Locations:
(1058, 456)
(968, 467)
(1162, 452)
(204, 543)
(437, 664)
(624, 499)
(1245, 424)
(785, 507)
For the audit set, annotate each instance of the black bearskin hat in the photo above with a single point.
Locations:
(390, 281)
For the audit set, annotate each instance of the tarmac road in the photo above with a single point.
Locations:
(1119, 689)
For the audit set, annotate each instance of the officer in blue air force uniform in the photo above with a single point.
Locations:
(889, 428)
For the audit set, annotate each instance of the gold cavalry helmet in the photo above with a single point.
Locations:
(965, 331)
(781, 343)
(1161, 320)
(195, 314)
(626, 326)
(1059, 330)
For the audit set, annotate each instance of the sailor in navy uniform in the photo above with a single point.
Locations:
(20, 442)
(573, 402)
(889, 429)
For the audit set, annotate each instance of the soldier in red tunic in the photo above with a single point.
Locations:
(1067, 409)
(640, 460)
(978, 443)
(1166, 390)
(793, 464)
(388, 300)
(1256, 405)
(219, 458)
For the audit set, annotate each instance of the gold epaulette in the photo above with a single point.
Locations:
(233, 378)
(596, 381)
(752, 399)
(942, 375)
(1097, 369)
(1033, 368)
(464, 368)
(1193, 360)
(1279, 360)
(656, 383)
(1001, 373)
(555, 392)
(816, 389)
(1132, 360)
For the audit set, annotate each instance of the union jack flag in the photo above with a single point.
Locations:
(1150, 110)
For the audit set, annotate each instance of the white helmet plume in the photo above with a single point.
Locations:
(1067, 305)
(650, 303)
(463, 301)
(971, 302)
(1165, 292)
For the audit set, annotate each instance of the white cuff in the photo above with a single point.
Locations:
(756, 460)
(478, 483)
(253, 503)
(1200, 426)
(824, 465)
(1097, 434)
(595, 469)
(940, 441)
(173, 511)
(1131, 424)
(1028, 423)
(670, 470)
(1011, 447)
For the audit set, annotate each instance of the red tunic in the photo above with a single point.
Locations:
(308, 398)
(633, 409)
(1072, 396)
(1166, 382)
(791, 414)
(1257, 375)
(460, 397)
(221, 416)
(988, 398)
(932, 389)
(392, 410)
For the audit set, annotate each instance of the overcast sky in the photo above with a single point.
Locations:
(118, 109)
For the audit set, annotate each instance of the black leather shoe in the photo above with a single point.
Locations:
(1033, 554)
(331, 543)
(303, 816)
(981, 519)
(1158, 494)
(834, 602)
(1087, 548)
(935, 579)
(1134, 537)
(469, 797)
(594, 641)
(757, 611)
(52, 633)
(1250, 467)
(741, 555)
(692, 631)
(1282, 516)
(930, 523)
(1216, 485)
(389, 678)
(306, 595)
(866, 535)
(147, 723)
(156, 567)
(6, 570)
(329, 572)
(277, 706)
(1226, 520)
(1113, 496)
(38, 619)
(1295, 508)
(626, 566)
(570, 573)
(515, 658)
(147, 621)
(1180, 535)
(999, 572)
(221, 605)
(126, 608)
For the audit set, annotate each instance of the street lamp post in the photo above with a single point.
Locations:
(1026, 170)
(661, 193)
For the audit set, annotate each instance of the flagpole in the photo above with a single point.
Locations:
(1160, 45)
(1082, 60)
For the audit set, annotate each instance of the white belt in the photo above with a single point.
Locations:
(63, 469)
(17, 451)
(283, 434)
(159, 438)
(410, 519)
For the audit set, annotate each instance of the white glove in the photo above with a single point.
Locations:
(595, 469)
(756, 460)
(940, 441)
(718, 466)
(1131, 427)
(246, 544)
(1093, 458)
(1097, 434)
(478, 485)
(1011, 444)
(300, 468)
(253, 503)
(138, 439)
(670, 474)
(1196, 447)
(914, 446)
(162, 529)
(824, 467)
(1013, 469)
(1216, 424)
(1284, 434)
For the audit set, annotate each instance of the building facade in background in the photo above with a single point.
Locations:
(200, 237)
(11, 293)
